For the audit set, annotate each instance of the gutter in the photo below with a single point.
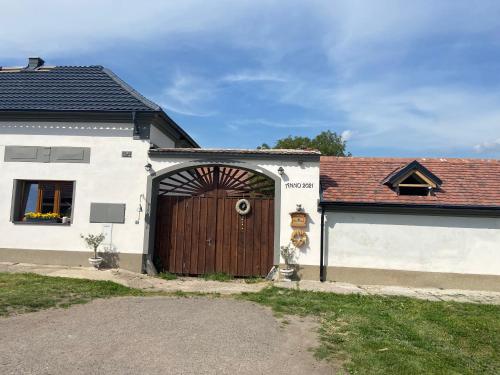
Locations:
(406, 208)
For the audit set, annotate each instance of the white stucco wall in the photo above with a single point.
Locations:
(302, 188)
(109, 178)
(158, 138)
(469, 245)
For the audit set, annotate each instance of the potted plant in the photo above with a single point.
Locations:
(288, 253)
(38, 217)
(93, 241)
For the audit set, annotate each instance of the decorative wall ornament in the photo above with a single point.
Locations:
(298, 237)
(243, 207)
(299, 217)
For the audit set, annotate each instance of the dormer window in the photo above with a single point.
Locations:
(414, 184)
(413, 179)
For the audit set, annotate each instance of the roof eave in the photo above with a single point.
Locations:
(231, 154)
(178, 128)
(411, 208)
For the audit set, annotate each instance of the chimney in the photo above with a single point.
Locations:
(34, 62)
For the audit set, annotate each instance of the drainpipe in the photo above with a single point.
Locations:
(322, 245)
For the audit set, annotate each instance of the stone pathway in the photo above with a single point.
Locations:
(430, 294)
(193, 284)
(137, 280)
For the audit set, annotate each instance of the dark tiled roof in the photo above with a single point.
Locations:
(69, 88)
(294, 155)
(465, 182)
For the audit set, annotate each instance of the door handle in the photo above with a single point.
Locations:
(209, 241)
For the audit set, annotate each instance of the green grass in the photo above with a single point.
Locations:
(369, 334)
(396, 335)
(26, 292)
(167, 276)
(217, 276)
(254, 280)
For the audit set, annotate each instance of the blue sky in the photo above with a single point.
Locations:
(395, 78)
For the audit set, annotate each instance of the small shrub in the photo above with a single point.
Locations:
(217, 276)
(254, 280)
(167, 276)
(93, 241)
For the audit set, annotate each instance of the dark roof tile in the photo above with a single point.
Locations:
(69, 88)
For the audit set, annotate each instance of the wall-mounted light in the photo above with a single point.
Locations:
(281, 171)
(148, 167)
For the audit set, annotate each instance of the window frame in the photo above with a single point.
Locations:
(18, 188)
(426, 184)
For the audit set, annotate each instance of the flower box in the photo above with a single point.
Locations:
(39, 220)
(36, 217)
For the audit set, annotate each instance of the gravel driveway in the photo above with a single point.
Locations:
(158, 335)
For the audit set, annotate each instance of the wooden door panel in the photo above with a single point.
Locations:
(195, 239)
(204, 234)
(210, 239)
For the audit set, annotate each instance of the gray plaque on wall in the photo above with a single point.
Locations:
(107, 213)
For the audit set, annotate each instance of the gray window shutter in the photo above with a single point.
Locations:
(107, 213)
(70, 155)
(16, 198)
(27, 154)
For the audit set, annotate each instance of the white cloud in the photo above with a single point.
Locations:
(419, 119)
(492, 146)
(346, 135)
(363, 32)
(61, 27)
(305, 124)
(254, 77)
(189, 95)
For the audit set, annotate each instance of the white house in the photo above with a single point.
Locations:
(82, 145)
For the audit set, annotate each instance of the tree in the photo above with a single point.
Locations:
(327, 142)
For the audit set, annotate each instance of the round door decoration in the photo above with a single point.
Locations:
(243, 207)
(298, 238)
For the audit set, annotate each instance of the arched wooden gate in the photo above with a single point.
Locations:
(199, 231)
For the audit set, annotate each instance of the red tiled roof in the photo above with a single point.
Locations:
(466, 182)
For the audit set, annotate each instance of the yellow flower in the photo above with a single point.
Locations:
(39, 215)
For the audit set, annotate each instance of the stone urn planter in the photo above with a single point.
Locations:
(289, 254)
(95, 262)
(93, 241)
(287, 273)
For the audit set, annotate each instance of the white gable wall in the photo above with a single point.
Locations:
(159, 138)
